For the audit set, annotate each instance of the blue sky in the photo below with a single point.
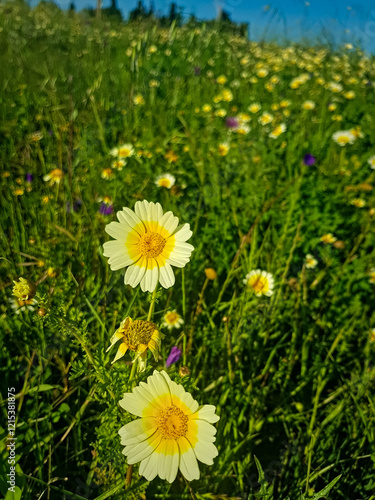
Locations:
(343, 20)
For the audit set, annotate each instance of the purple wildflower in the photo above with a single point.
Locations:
(76, 206)
(232, 122)
(309, 160)
(29, 178)
(173, 357)
(105, 209)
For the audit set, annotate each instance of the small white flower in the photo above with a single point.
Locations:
(165, 180)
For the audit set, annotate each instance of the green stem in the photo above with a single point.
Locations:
(152, 305)
(134, 364)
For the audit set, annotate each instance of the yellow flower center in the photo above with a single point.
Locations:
(138, 332)
(172, 317)
(124, 152)
(259, 284)
(164, 182)
(172, 423)
(343, 139)
(151, 245)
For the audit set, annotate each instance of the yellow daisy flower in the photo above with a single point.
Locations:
(308, 105)
(148, 243)
(372, 276)
(310, 261)
(137, 336)
(328, 238)
(358, 202)
(371, 162)
(343, 137)
(265, 119)
(260, 282)
(223, 148)
(54, 177)
(172, 320)
(171, 156)
(138, 100)
(118, 164)
(24, 289)
(107, 173)
(280, 129)
(172, 433)
(254, 108)
(123, 151)
(165, 180)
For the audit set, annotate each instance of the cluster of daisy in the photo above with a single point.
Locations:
(173, 431)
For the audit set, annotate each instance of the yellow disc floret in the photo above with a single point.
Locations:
(172, 423)
(151, 245)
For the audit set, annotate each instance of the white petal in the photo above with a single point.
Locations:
(149, 467)
(206, 431)
(183, 249)
(183, 232)
(140, 451)
(207, 413)
(185, 397)
(169, 222)
(150, 279)
(177, 261)
(188, 463)
(205, 452)
(131, 404)
(117, 230)
(166, 276)
(158, 384)
(128, 217)
(168, 459)
(137, 431)
(120, 260)
(135, 273)
(141, 209)
(143, 389)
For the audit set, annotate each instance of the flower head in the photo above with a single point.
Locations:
(137, 336)
(210, 273)
(232, 122)
(371, 162)
(148, 243)
(171, 156)
(358, 202)
(328, 238)
(105, 209)
(165, 180)
(260, 282)
(19, 306)
(310, 261)
(265, 119)
(372, 275)
(54, 177)
(343, 137)
(276, 132)
(172, 320)
(309, 159)
(24, 289)
(172, 433)
(173, 357)
(223, 148)
(123, 151)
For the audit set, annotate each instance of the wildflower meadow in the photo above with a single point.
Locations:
(187, 262)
